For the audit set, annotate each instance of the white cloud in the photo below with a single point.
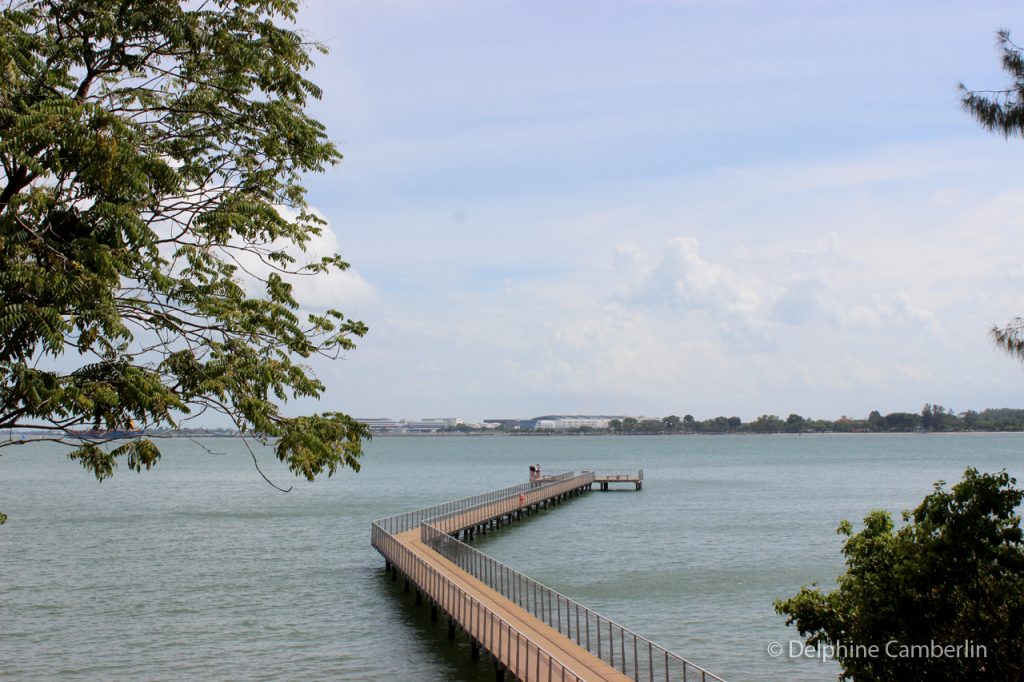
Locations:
(814, 287)
(801, 303)
(334, 289)
(619, 358)
(679, 278)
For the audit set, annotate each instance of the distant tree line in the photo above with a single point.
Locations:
(930, 418)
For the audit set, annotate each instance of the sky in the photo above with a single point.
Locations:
(664, 207)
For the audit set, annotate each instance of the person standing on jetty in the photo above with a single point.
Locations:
(533, 475)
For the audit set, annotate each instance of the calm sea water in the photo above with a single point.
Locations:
(200, 570)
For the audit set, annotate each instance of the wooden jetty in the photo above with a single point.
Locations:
(602, 479)
(532, 633)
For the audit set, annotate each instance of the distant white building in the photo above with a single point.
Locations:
(447, 421)
(563, 422)
(429, 425)
(383, 425)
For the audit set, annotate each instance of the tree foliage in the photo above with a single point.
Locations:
(1002, 111)
(153, 221)
(933, 417)
(953, 574)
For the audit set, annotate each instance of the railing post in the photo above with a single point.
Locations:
(518, 669)
(611, 645)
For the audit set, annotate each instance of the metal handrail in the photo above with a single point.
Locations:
(623, 649)
(538, 491)
(399, 523)
(633, 654)
(616, 474)
(522, 657)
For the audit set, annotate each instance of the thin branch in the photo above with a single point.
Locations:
(256, 464)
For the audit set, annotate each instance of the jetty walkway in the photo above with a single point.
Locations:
(603, 479)
(532, 633)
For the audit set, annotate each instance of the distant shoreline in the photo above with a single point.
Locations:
(30, 437)
(599, 434)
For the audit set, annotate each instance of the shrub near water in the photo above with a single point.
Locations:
(942, 598)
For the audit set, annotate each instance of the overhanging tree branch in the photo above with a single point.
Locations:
(147, 147)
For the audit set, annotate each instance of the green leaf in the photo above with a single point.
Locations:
(94, 459)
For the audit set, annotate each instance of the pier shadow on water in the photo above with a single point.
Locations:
(450, 659)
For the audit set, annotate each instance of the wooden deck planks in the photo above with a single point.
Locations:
(540, 634)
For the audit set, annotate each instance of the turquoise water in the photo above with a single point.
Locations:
(198, 569)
